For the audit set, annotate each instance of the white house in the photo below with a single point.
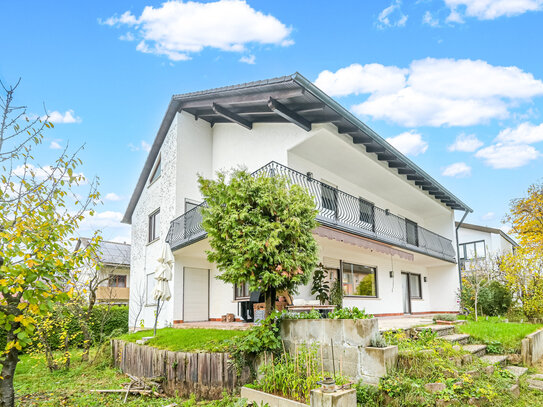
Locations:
(381, 217)
(476, 242)
(113, 276)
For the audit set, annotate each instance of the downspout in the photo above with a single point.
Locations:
(458, 247)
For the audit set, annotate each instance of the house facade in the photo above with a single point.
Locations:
(386, 228)
(113, 276)
(479, 243)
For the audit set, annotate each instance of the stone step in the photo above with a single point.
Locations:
(440, 330)
(457, 338)
(500, 360)
(516, 371)
(535, 382)
(475, 350)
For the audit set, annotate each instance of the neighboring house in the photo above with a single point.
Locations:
(384, 222)
(477, 243)
(113, 276)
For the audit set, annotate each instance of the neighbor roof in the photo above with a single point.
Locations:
(288, 99)
(110, 253)
(489, 230)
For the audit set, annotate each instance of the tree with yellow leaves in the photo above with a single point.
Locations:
(37, 225)
(523, 269)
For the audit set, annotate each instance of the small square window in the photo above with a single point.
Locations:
(117, 281)
(241, 291)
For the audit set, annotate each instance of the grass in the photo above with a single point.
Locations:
(187, 340)
(499, 335)
(35, 385)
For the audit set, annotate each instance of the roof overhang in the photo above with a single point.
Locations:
(289, 99)
(489, 230)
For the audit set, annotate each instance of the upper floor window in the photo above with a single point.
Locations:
(156, 171)
(412, 232)
(472, 250)
(367, 212)
(154, 225)
(117, 281)
(329, 197)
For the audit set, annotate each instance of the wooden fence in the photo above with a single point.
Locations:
(206, 375)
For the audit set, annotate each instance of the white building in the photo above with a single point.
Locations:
(477, 243)
(381, 217)
(113, 274)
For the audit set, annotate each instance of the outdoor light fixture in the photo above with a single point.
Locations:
(425, 279)
(309, 175)
(387, 211)
(391, 274)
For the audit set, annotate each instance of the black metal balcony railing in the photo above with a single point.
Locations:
(338, 210)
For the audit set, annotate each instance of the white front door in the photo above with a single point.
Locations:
(196, 295)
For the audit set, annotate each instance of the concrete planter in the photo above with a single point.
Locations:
(260, 398)
(532, 348)
(343, 345)
(380, 361)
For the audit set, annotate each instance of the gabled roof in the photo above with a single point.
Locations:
(288, 99)
(486, 229)
(109, 253)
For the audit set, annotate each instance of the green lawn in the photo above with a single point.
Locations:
(500, 336)
(36, 386)
(187, 340)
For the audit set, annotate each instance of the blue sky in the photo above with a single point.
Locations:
(456, 84)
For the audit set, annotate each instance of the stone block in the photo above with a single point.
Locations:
(515, 390)
(340, 398)
(261, 398)
(489, 370)
(332, 330)
(467, 359)
(434, 387)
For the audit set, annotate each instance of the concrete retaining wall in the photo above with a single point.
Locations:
(349, 339)
(532, 348)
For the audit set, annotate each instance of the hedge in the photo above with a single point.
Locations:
(116, 321)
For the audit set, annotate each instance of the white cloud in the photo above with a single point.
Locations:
(248, 59)
(54, 145)
(178, 29)
(121, 239)
(41, 173)
(356, 79)
(142, 146)
(58, 117)
(525, 133)
(409, 143)
(488, 216)
(101, 220)
(392, 16)
(434, 92)
(507, 155)
(458, 170)
(112, 196)
(466, 142)
(127, 37)
(430, 20)
(490, 9)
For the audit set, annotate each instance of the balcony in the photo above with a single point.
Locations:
(338, 210)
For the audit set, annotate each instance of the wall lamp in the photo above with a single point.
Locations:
(391, 274)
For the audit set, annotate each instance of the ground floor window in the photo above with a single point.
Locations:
(359, 280)
(241, 291)
(116, 280)
(415, 286)
(150, 286)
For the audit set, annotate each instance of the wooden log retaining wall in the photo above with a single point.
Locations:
(206, 375)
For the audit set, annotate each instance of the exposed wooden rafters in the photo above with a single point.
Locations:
(288, 114)
(233, 117)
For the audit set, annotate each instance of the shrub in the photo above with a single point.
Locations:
(495, 299)
(378, 341)
(336, 293)
(349, 313)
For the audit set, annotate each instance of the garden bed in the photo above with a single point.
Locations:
(186, 340)
(500, 336)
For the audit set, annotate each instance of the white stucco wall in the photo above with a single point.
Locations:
(161, 194)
